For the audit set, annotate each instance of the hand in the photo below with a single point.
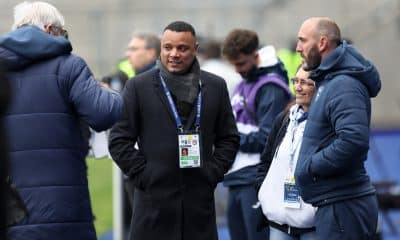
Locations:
(105, 85)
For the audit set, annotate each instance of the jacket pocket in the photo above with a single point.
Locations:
(142, 178)
(210, 172)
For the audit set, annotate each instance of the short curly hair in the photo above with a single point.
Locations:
(180, 26)
(240, 41)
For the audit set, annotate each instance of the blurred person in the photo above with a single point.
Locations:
(289, 218)
(52, 91)
(188, 108)
(210, 58)
(213, 62)
(258, 99)
(143, 51)
(330, 171)
(116, 80)
(125, 66)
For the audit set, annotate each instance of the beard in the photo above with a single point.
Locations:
(251, 75)
(313, 59)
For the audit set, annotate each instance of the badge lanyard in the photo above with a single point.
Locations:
(293, 147)
(175, 111)
(188, 142)
(291, 192)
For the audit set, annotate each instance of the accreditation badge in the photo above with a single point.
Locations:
(189, 150)
(291, 196)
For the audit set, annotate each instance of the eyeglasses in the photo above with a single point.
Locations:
(302, 82)
(58, 31)
(55, 30)
(134, 49)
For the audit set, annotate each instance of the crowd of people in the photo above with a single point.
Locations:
(293, 165)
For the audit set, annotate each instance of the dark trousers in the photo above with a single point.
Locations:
(242, 217)
(348, 220)
(128, 195)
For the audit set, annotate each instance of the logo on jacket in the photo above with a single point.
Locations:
(320, 89)
(237, 99)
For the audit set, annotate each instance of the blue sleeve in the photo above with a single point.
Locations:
(97, 106)
(270, 101)
(349, 113)
(124, 134)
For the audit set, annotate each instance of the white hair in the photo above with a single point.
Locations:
(39, 14)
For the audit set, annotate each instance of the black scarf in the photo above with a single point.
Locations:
(184, 87)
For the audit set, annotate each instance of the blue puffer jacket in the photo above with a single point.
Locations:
(335, 144)
(51, 91)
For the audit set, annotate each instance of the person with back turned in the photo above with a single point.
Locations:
(53, 91)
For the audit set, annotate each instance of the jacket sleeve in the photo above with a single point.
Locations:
(270, 101)
(123, 135)
(269, 151)
(97, 106)
(226, 142)
(349, 113)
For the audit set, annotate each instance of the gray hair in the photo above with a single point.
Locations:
(152, 41)
(39, 14)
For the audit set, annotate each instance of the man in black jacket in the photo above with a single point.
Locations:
(167, 109)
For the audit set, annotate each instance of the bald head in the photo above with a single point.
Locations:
(317, 37)
(324, 26)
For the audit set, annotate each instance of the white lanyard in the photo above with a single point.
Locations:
(294, 144)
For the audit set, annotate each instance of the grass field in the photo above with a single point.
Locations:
(100, 187)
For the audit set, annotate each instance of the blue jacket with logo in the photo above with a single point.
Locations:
(52, 91)
(335, 144)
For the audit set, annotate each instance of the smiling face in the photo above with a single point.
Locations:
(304, 87)
(178, 51)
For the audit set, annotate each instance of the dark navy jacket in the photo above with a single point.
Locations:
(51, 91)
(336, 138)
